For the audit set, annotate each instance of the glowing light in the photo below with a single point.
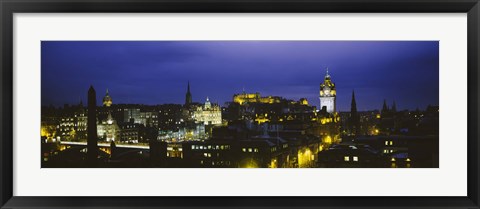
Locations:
(327, 139)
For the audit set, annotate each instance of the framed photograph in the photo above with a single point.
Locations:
(239, 104)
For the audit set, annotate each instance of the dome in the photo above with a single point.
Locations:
(107, 100)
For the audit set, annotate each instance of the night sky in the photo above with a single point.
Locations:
(157, 72)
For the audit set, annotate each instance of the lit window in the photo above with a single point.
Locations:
(249, 149)
(355, 158)
(391, 142)
(386, 142)
(256, 150)
(346, 158)
(244, 150)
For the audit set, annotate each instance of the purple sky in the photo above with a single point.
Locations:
(156, 72)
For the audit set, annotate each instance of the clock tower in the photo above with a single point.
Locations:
(328, 94)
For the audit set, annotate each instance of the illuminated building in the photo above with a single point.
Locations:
(108, 129)
(131, 113)
(208, 114)
(107, 100)
(245, 98)
(212, 154)
(131, 132)
(81, 127)
(350, 156)
(149, 119)
(187, 132)
(328, 94)
(67, 128)
(169, 117)
(72, 124)
(303, 101)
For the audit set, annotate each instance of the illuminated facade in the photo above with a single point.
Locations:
(107, 100)
(328, 94)
(108, 129)
(255, 98)
(208, 114)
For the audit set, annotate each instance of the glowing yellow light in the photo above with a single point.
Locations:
(408, 160)
(393, 159)
(327, 139)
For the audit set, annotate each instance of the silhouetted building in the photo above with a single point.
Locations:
(92, 148)
(188, 96)
(354, 120)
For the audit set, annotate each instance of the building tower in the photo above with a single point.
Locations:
(354, 119)
(92, 150)
(188, 96)
(328, 94)
(384, 108)
(208, 105)
(107, 100)
(394, 107)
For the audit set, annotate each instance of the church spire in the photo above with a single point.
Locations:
(354, 121)
(188, 95)
(385, 107)
(354, 103)
(394, 106)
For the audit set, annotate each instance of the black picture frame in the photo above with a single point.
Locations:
(9, 7)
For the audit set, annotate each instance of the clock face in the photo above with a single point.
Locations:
(327, 91)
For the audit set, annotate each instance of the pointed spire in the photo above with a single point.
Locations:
(107, 91)
(208, 99)
(354, 103)
(188, 95)
(354, 119)
(394, 106)
(385, 107)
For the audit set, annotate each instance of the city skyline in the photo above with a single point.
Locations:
(157, 72)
